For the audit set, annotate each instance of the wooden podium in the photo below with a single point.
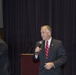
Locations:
(28, 67)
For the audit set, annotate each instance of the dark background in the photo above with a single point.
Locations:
(22, 20)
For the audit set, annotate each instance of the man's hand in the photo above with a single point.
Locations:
(49, 65)
(37, 49)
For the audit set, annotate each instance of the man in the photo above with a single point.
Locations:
(4, 65)
(50, 52)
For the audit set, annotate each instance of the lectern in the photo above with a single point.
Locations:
(28, 67)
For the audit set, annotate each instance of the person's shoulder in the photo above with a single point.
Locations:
(1, 40)
(3, 43)
(56, 40)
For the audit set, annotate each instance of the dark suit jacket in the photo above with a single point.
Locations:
(57, 55)
(4, 64)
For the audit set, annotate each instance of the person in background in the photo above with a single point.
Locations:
(50, 52)
(4, 62)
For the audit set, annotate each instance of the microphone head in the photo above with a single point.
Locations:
(40, 44)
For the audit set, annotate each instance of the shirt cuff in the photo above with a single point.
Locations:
(36, 56)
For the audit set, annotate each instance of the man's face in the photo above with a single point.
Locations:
(45, 34)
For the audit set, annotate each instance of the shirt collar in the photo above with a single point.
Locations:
(49, 41)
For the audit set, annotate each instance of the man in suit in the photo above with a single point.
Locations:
(51, 55)
(4, 63)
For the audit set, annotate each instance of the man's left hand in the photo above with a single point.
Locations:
(49, 65)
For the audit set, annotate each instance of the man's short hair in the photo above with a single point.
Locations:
(48, 27)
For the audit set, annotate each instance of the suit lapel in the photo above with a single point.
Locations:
(51, 47)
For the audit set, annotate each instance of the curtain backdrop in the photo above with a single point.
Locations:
(22, 20)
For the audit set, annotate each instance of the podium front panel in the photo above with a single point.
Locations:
(28, 67)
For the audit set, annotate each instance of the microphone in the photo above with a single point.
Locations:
(39, 44)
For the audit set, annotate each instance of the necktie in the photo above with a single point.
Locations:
(46, 49)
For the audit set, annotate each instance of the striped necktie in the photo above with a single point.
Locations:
(46, 49)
